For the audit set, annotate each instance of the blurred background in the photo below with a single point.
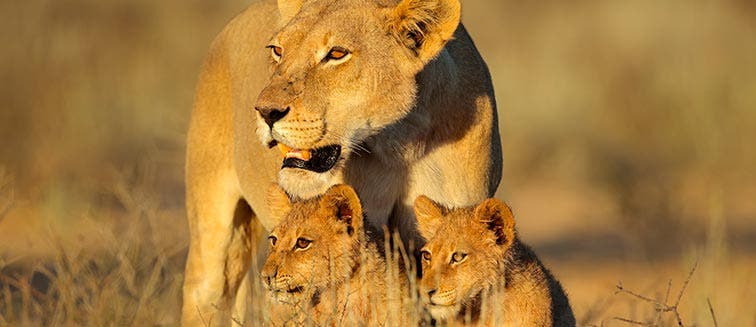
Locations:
(627, 126)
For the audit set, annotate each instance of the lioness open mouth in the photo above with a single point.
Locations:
(317, 160)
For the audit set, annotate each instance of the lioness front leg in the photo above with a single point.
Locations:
(220, 222)
(220, 253)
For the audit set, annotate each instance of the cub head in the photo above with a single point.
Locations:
(340, 71)
(315, 245)
(463, 254)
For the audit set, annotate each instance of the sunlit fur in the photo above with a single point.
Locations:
(412, 106)
(499, 281)
(346, 101)
(341, 277)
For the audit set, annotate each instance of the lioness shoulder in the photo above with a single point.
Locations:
(477, 272)
(323, 267)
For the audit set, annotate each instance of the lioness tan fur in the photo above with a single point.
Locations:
(323, 268)
(397, 85)
(476, 272)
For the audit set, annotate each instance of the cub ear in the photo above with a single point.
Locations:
(288, 9)
(425, 26)
(278, 203)
(342, 202)
(428, 214)
(497, 217)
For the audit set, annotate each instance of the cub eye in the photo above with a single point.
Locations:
(426, 255)
(303, 243)
(337, 53)
(276, 51)
(273, 240)
(458, 257)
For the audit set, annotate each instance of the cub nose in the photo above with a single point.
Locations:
(272, 114)
(431, 292)
(267, 275)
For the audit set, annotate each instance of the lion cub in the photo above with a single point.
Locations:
(477, 272)
(323, 269)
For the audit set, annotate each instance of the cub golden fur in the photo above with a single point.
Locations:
(388, 96)
(322, 268)
(477, 272)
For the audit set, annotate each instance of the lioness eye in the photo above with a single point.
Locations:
(337, 54)
(458, 257)
(303, 243)
(273, 240)
(426, 255)
(277, 51)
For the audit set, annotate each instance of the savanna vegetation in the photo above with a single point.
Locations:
(627, 130)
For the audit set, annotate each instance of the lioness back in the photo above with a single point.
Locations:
(324, 269)
(477, 272)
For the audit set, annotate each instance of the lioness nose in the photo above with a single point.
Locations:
(272, 114)
(431, 292)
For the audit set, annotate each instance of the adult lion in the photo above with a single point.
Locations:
(388, 96)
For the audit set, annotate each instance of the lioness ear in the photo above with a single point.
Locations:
(497, 217)
(288, 9)
(425, 25)
(428, 214)
(278, 203)
(342, 202)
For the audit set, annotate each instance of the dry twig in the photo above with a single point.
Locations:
(234, 320)
(660, 307)
(711, 310)
(633, 322)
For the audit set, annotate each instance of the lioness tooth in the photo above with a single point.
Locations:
(285, 149)
(306, 155)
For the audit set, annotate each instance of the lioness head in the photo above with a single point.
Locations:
(463, 255)
(340, 72)
(315, 245)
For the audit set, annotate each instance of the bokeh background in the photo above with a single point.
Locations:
(628, 130)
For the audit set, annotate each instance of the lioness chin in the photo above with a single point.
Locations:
(476, 272)
(388, 96)
(324, 269)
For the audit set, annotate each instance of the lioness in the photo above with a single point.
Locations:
(325, 268)
(477, 272)
(388, 96)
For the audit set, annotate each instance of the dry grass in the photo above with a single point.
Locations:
(631, 120)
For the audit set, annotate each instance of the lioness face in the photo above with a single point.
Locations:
(340, 72)
(463, 254)
(316, 244)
